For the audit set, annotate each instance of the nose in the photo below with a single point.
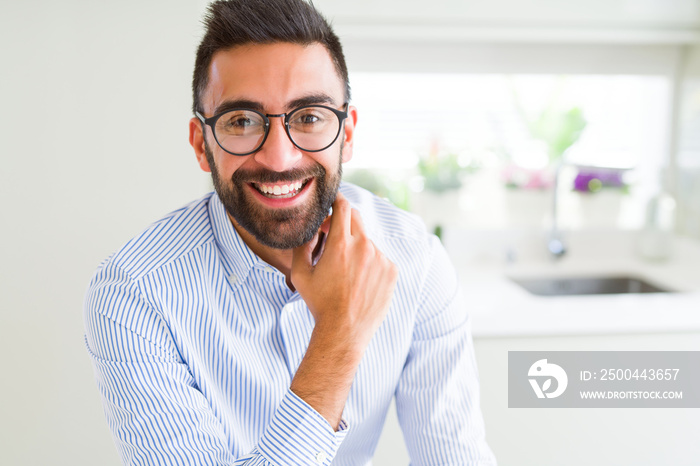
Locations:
(278, 153)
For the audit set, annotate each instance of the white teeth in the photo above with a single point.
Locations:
(280, 190)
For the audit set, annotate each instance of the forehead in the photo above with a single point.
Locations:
(271, 74)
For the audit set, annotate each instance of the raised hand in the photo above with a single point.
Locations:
(349, 289)
(348, 292)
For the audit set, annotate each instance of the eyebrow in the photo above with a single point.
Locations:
(311, 99)
(227, 105)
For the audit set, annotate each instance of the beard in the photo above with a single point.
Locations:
(277, 228)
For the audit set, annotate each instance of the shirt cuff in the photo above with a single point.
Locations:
(299, 435)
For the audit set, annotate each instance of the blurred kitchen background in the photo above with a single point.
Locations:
(548, 142)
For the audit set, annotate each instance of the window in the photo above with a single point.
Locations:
(485, 121)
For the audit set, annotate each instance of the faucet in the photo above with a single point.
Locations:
(555, 244)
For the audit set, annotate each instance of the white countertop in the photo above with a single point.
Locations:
(499, 307)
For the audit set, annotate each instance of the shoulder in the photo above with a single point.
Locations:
(175, 235)
(120, 318)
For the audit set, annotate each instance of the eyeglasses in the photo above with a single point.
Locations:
(242, 131)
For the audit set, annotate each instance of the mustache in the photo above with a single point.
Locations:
(262, 175)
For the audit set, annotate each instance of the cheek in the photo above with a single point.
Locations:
(330, 159)
(228, 164)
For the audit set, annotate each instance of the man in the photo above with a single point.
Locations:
(254, 326)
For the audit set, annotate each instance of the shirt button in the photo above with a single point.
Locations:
(233, 279)
(320, 457)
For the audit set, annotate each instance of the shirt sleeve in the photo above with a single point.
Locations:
(437, 398)
(153, 406)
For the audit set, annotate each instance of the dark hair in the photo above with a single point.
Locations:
(230, 23)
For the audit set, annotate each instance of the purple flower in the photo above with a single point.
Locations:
(593, 179)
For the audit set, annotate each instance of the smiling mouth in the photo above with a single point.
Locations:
(281, 190)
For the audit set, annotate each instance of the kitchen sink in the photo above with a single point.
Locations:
(570, 286)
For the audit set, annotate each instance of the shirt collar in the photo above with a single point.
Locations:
(238, 257)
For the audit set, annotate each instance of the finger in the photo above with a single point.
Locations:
(341, 218)
(357, 227)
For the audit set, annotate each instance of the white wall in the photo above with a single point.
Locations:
(518, 12)
(93, 129)
(517, 21)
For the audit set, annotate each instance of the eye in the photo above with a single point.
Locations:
(311, 119)
(240, 123)
(308, 118)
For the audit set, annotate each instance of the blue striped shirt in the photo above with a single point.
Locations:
(195, 341)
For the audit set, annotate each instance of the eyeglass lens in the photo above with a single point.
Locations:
(310, 128)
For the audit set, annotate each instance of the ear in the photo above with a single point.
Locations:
(349, 133)
(197, 143)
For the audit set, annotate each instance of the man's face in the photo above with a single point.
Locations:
(279, 194)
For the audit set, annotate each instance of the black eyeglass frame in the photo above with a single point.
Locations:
(211, 122)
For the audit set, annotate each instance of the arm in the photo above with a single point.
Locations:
(152, 402)
(348, 292)
(437, 398)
